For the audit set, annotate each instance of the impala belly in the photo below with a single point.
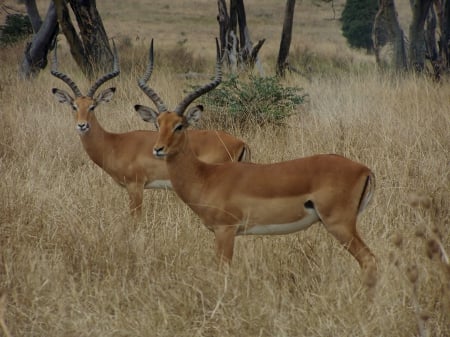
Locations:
(159, 184)
(279, 228)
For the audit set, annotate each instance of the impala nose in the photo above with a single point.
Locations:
(82, 127)
(158, 151)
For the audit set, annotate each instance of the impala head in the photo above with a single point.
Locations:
(172, 124)
(83, 105)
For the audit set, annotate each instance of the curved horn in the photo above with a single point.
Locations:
(62, 76)
(106, 77)
(142, 82)
(208, 87)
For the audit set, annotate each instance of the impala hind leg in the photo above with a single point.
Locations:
(344, 230)
(136, 194)
(224, 237)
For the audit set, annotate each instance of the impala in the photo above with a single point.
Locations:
(243, 198)
(127, 157)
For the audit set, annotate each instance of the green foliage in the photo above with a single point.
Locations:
(259, 100)
(357, 22)
(16, 28)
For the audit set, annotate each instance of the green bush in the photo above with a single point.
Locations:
(16, 28)
(259, 100)
(357, 22)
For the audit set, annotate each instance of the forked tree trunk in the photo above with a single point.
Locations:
(75, 44)
(91, 49)
(238, 51)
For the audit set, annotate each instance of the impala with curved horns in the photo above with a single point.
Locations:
(127, 157)
(236, 152)
(280, 198)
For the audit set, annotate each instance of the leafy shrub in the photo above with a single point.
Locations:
(260, 100)
(16, 28)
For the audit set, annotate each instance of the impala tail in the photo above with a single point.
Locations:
(367, 194)
(246, 154)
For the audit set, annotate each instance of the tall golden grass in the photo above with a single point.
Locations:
(74, 264)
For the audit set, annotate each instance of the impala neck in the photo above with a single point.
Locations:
(95, 141)
(185, 171)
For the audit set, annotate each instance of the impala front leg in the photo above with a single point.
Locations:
(136, 194)
(224, 244)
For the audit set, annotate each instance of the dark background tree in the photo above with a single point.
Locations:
(35, 55)
(357, 22)
(387, 30)
(442, 9)
(417, 50)
(238, 51)
(428, 36)
(90, 50)
(286, 37)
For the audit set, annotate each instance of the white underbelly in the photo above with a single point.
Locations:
(281, 228)
(159, 184)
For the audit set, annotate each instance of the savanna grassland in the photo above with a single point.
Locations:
(73, 263)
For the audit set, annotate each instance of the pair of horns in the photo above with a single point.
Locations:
(77, 92)
(181, 107)
(142, 82)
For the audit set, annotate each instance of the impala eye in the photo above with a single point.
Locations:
(179, 127)
(92, 107)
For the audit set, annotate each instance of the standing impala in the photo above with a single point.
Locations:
(127, 157)
(244, 198)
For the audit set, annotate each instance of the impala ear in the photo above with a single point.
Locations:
(105, 96)
(193, 114)
(62, 96)
(146, 113)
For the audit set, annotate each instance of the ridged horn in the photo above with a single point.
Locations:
(66, 79)
(106, 77)
(142, 82)
(202, 90)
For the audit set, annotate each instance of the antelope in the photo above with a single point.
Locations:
(234, 199)
(127, 157)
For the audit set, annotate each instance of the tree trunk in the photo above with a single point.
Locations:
(237, 51)
(286, 37)
(386, 29)
(93, 35)
(442, 8)
(445, 34)
(417, 51)
(35, 57)
(75, 44)
(224, 23)
(91, 49)
(33, 14)
(430, 35)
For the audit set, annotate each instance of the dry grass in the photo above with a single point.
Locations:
(73, 264)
